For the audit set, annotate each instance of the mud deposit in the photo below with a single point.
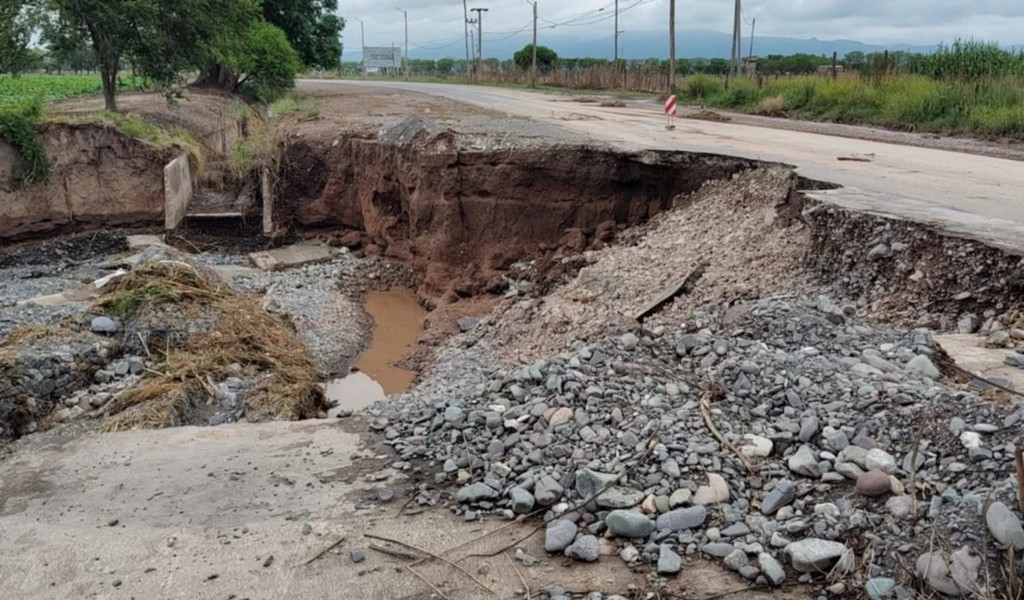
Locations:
(397, 324)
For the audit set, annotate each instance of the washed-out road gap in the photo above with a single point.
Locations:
(968, 195)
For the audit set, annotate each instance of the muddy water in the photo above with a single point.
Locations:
(397, 323)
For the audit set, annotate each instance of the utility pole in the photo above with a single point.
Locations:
(406, 41)
(362, 40)
(616, 31)
(471, 65)
(753, 24)
(533, 66)
(672, 47)
(737, 52)
(479, 40)
(465, 15)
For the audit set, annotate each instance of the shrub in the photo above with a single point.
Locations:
(772, 106)
(700, 87)
(741, 92)
(17, 127)
(998, 120)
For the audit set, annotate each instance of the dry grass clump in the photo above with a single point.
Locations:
(241, 334)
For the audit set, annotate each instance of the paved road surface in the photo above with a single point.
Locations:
(974, 196)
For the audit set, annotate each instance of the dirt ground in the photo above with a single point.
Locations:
(220, 513)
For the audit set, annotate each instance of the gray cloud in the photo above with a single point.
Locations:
(438, 23)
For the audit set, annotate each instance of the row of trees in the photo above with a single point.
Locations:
(962, 60)
(253, 47)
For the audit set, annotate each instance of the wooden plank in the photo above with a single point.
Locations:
(685, 286)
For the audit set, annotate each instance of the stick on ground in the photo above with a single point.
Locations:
(427, 581)
(326, 550)
(705, 411)
(440, 558)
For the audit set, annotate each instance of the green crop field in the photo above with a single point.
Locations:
(54, 88)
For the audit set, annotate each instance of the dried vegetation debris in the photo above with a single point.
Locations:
(240, 339)
(184, 347)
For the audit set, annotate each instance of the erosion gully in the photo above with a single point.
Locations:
(479, 229)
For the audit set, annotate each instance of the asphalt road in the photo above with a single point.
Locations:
(969, 195)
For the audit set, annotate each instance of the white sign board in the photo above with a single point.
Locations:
(382, 57)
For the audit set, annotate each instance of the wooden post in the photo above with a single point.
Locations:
(835, 73)
(672, 47)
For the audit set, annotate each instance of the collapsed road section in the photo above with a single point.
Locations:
(815, 402)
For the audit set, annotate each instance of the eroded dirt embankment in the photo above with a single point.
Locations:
(462, 215)
(99, 177)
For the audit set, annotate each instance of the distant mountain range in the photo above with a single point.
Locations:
(699, 43)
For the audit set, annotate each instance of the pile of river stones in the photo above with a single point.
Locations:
(837, 450)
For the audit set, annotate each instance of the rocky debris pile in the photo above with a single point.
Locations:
(36, 373)
(757, 248)
(913, 274)
(818, 414)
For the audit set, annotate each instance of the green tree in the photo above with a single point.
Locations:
(313, 29)
(260, 63)
(112, 28)
(546, 58)
(855, 61)
(17, 24)
(445, 66)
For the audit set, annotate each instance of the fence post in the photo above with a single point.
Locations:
(835, 73)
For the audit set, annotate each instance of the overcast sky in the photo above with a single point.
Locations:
(438, 24)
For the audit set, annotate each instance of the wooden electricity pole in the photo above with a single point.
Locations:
(672, 47)
(533, 66)
(479, 41)
(465, 13)
(616, 31)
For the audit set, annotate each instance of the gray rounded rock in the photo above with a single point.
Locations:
(103, 325)
(682, 518)
(559, 534)
(586, 548)
(628, 523)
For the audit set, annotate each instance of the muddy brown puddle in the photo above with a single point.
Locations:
(397, 324)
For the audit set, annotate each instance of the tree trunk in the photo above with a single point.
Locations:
(108, 73)
(217, 76)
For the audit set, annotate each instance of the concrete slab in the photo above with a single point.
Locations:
(83, 294)
(228, 272)
(969, 354)
(177, 191)
(139, 242)
(291, 256)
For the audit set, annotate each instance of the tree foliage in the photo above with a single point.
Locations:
(18, 20)
(261, 62)
(313, 28)
(546, 58)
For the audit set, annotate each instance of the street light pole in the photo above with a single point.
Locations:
(406, 41)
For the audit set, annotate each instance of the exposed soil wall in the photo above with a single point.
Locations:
(460, 216)
(914, 274)
(99, 177)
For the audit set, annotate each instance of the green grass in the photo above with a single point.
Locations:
(305, 107)
(55, 88)
(987, 107)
